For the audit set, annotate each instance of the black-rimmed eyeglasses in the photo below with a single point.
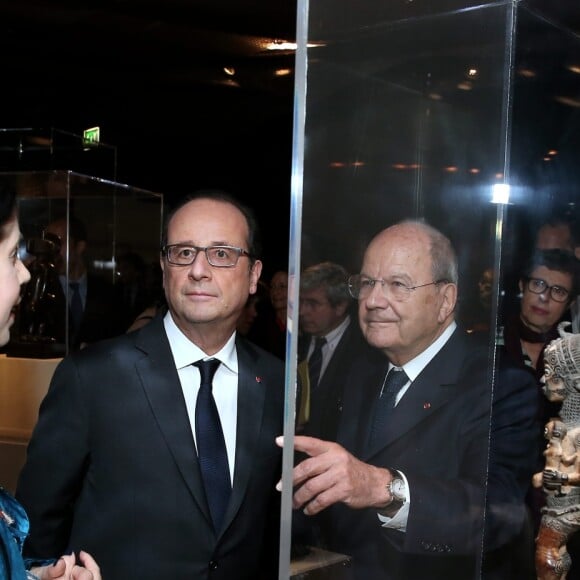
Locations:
(360, 287)
(217, 256)
(539, 286)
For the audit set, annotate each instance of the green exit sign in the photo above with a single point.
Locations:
(91, 136)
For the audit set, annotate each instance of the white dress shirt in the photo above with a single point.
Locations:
(225, 381)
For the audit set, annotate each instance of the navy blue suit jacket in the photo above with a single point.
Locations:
(439, 436)
(112, 467)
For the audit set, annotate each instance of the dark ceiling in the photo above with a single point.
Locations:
(151, 74)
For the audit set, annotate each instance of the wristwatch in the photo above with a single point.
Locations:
(397, 490)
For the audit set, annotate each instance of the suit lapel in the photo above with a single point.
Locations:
(162, 388)
(251, 395)
(363, 383)
(432, 389)
(436, 385)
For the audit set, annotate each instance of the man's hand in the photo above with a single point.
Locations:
(332, 475)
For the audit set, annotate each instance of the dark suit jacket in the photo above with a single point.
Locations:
(438, 436)
(101, 316)
(326, 399)
(112, 466)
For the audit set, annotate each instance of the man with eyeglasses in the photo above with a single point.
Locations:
(124, 459)
(407, 490)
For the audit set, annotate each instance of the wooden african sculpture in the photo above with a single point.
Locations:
(560, 478)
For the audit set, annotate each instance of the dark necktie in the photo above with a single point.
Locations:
(394, 382)
(315, 362)
(76, 306)
(211, 445)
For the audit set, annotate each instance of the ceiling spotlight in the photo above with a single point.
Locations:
(230, 70)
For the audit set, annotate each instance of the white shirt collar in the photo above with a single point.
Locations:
(186, 352)
(334, 336)
(415, 366)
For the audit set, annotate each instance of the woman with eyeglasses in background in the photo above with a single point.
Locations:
(548, 284)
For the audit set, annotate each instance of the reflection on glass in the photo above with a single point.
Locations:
(415, 111)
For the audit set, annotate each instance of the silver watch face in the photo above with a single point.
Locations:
(397, 488)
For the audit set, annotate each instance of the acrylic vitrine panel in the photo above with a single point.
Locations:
(406, 114)
(545, 137)
(68, 219)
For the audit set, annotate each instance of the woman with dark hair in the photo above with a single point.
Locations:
(548, 284)
(13, 520)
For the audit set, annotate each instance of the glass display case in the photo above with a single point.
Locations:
(67, 217)
(460, 113)
(78, 228)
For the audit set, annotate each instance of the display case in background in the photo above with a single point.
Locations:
(123, 231)
(38, 149)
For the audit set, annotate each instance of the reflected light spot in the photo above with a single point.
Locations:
(337, 164)
(527, 73)
(465, 86)
(574, 68)
(500, 193)
(450, 169)
(474, 170)
(571, 102)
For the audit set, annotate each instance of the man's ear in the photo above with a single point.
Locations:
(255, 273)
(449, 292)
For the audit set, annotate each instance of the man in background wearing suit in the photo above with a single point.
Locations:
(326, 319)
(93, 314)
(405, 488)
(114, 464)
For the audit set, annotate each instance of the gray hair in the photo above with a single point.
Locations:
(329, 276)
